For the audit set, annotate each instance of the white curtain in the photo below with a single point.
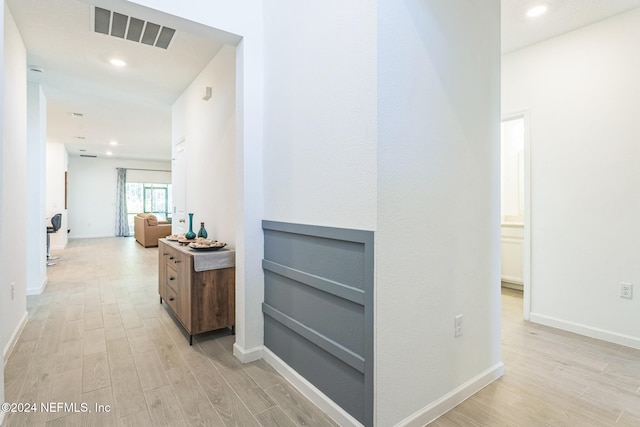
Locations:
(122, 224)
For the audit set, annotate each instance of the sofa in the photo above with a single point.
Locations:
(147, 229)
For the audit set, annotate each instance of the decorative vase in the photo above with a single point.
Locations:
(202, 233)
(190, 234)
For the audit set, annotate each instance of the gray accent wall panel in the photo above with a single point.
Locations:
(313, 254)
(312, 307)
(318, 309)
(343, 384)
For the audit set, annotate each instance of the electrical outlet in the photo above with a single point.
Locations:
(626, 290)
(458, 325)
(13, 289)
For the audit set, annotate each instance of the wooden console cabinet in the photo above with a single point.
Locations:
(203, 300)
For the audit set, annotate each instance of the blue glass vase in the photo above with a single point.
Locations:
(203, 232)
(190, 234)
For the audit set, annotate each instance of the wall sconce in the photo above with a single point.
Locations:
(207, 95)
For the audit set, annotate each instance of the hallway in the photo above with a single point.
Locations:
(553, 378)
(98, 335)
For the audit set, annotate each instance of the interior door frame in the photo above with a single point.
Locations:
(179, 217)
(526, 288)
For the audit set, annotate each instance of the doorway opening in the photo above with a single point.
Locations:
(515, 215)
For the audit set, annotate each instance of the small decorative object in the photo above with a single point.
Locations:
(202, 233)
(190, 234)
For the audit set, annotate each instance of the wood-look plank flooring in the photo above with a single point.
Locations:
(553, 378)
(98, 335)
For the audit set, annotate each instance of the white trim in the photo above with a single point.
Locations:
(1, 417)
(14, 337)
(326, 405)
(450, 400)
(38, 291)
(588, 331)
(249, 355)
(89, 236)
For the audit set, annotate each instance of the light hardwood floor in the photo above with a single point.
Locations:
(554, 378)
(98, 335)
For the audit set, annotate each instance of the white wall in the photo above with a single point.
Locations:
(582, 92)
(57, 160)
(36, 189)
(13, 249)
(208, 129)
(4, 301)
(320, 157)
(437, 243)
(242, 22)
(92, 193)
(320, 113)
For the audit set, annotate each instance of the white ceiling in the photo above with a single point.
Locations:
(133, 104)
(563, 16)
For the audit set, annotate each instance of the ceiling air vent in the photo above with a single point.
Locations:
(133, 29)
(93, 156)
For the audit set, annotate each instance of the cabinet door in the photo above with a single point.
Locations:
(213, 300)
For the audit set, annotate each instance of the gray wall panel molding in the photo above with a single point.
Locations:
(313, 308)
(345, 385)
(340, 260)
(325, 285)
(318, 308)
(340, 352)
(344, 234)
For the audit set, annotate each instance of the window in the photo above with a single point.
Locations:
(148, 198)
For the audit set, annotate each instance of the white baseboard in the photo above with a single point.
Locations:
(247, 356)
(588, 331)
(93, 236)
(14, 337)
(39, 290)
(453, 398)
(321, 400)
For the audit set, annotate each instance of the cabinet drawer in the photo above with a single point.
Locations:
(172, 278)
(171, 256)
(172, 299)
(165, 251)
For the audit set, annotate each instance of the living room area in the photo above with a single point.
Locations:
(84, 191)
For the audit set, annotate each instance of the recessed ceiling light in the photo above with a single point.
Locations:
(77, 115)
(109, 153)
(537, 10)
(114, 142)
(117, 62)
